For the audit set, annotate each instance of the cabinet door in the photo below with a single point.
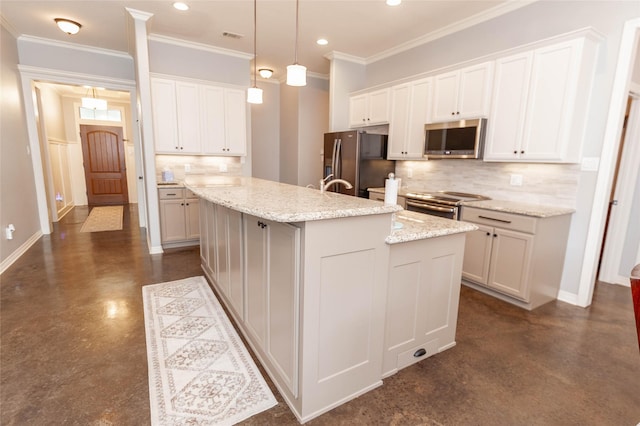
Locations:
(474, 91)
(550, 102)
(235, 122)
(508, 107)
(510, 260)
(211, 240)
(358, 110)
(378, 107)
(445, 97)
(172, 220)
(399, 121)
(418, 116)
(221, 249)
(165, 127)
(188, 116)
(255, 276)
(192, 218)
(204, 245)
(234, 248)
(212, 119)
(284, 282)
(477, 255)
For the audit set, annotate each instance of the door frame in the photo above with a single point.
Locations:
(29, 77)
(610, 147)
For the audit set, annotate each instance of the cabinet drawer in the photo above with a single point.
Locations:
(189, 194)
(502, 220)
(171, 193)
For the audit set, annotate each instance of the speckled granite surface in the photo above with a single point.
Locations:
(281, 202)
(418, 226)
(535, 210)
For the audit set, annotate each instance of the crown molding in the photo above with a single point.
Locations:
(9, 27)
(199, 46)
(139, 15)
(345, 57)
(488, 14)
(70, 77)
(74, 46)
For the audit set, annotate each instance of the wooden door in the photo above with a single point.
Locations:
(104, 165)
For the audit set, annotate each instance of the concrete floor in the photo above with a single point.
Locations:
(73, 348)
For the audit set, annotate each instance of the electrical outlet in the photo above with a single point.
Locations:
(222, 168)
(516, 180)
(409, 172)
(187, 168)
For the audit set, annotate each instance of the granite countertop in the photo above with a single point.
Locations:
(281, 202)
(419, 226)
(526, 209)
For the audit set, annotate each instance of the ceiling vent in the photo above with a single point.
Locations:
(232, 35)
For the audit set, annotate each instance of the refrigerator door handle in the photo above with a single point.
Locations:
(338, 174)
(333, 156)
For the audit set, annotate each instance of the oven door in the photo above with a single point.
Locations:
(449, 212)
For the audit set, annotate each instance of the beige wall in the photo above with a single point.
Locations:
(265, 133)
(18, 204)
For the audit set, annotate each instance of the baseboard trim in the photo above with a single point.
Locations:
(567, 297)
(19, 251)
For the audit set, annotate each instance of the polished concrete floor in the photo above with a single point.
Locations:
(73, 348)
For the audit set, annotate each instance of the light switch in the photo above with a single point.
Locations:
(516, 180)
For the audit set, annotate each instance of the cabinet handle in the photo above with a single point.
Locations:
(495, 235)
(420, 352)
(187, 204)
(497, 220)
(171, 195)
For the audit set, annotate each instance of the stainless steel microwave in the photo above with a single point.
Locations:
(455, 139)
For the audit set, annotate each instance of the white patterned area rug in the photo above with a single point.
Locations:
(200, 373)
(100, 219)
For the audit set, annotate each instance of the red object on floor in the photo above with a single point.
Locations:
(635, 293)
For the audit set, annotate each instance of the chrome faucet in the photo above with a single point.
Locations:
(324, 185)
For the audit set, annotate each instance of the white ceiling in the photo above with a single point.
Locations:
(362, 28)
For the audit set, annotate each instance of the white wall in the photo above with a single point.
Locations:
(289, 134)
(18, 203)
(345, 77)
(265, 133)
(314, 123)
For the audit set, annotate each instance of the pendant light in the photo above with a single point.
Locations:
(254, 95)
(93, 102)
(296, 73)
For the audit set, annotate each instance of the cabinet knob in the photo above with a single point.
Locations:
(457, 112)
(181, 147)
(515, 152)
(453, 113)
(488, 234)
(495, 235)
(522, 152)
(182, 204)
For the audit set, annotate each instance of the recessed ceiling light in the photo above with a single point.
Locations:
(68, 26)
(393, 2)
(181, 6)
(322, 41)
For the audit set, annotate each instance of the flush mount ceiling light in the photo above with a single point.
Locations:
(68, 26)
(254, 95)
(322, 41)
(93, 102)
(181, 6)
(393, 2)
(296, 73)
(265, 72)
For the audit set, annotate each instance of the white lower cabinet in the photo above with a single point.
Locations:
(520, 257)
(272, 254)
(179, 217)
(422, 300)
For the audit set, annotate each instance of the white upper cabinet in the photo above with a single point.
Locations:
(369, 109)
(193, 118)
(539, 110)
(409, 113)
(463, 93)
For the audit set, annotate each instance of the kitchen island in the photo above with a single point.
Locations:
(312, 282)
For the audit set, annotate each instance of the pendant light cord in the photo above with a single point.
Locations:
(295, 56)
(255, 31)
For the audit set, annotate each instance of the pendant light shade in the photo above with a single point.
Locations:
(296, 73)
(93, 102)
(254, 95)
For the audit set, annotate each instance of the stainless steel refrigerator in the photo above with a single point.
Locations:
(359, 158)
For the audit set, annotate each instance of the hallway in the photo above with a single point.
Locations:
(73, 348)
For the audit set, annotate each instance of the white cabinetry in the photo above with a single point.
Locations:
(409, 113)
(369, 109)
(272, 291)
(194, 118)
(179, 216)
(539, 105)
(422, 300)
(463, 93)
(514, 255)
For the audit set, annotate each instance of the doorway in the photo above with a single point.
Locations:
(104, 165)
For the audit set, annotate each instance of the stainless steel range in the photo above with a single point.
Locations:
(441, 203)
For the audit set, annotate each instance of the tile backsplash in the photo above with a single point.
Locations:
(550, 184)
(197, 165)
